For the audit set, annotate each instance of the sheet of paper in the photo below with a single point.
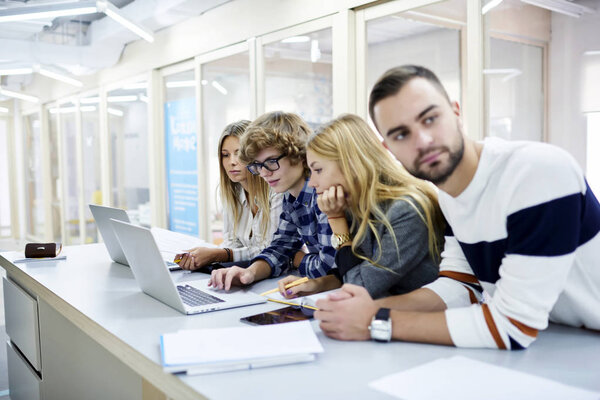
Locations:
(171, 243)
(467, 379)
(225, 345)
(305, 300)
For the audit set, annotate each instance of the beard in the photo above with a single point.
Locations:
(439, 173)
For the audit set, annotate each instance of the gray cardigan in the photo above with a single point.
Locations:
(412, 264)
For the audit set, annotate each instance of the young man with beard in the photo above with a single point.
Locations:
(520, 215)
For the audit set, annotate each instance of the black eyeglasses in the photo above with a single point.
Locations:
(271, 164)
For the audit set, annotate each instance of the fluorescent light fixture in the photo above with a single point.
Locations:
(48, 11)
(59, 77)
(491, 4)
(315, 52)
(587, 53)
(87, 108)
(63, 110)
(4, 110)
(143, 98)
(16, 71)
(90, 100)
(19, 95)
(219, 87)
(561, 6)
(509, 72)
(122, 99)
(180, 84)
(114, 111)
(204, 82)
(135, 86)
(296, 39)
(113, 12)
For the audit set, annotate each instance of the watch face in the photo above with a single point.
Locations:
(381, 330)
(334, 241)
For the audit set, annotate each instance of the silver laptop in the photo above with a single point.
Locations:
(154, 279)
(102, 216)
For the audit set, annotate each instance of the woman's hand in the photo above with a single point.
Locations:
(199, 257)
(332, 202)
(224, 278)
(313, 286)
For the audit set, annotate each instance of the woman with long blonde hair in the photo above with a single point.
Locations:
(387, 225)
(251, 209)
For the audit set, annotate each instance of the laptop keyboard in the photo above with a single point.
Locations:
(195, 297)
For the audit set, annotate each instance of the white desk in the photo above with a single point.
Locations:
(99, 338)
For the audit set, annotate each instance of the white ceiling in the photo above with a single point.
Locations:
(82, 45)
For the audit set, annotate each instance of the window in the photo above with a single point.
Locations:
(90, 143)
(70, 184)
(4, 180)
(34, 204)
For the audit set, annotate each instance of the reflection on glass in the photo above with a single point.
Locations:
(4, 185)
(33, 177)
(181, 152)
(90, 129)
(68, 131)
(54, 175)
(417, 37)
(514, 90)
(298, 74)
(225, 99)
(128, 127)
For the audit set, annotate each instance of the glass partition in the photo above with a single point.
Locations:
(128, 127)
(70, 186)
(92, 193)
(298, 76)
(181, 150)
(225, 99)
(34, 203)
(55, 175)
(429, 36)
(4, 180)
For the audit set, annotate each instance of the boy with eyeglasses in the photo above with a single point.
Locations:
(273, 147)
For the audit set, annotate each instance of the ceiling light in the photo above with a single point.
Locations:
(59, 77)
(90, 100)
(509, 72)
(19, 95)
(114, 111)
(113, 12)
(587, 53)
(180, 84)
(204, 82)
(143, 98)
(296, 39)
(219, 87)
(561, 6)
(87, 108)
(48, 11)
(315, 52)
(122, 99)
(16, 71)
(4, 110)
(135, 86)
(491, 4)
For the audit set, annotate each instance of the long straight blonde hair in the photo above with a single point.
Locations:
(373, 177)
(258, 190)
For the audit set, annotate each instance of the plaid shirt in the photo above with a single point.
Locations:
(301, 222)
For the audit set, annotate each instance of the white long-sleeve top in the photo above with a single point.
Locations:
(528, 223)
(247, 241)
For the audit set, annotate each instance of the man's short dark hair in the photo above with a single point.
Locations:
(394, 79)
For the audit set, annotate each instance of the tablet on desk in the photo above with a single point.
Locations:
(287, 314)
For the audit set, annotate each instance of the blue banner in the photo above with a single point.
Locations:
(182, 165)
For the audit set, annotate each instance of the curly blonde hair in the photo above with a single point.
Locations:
(373, 177)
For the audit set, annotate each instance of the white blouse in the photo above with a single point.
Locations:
(247, 241)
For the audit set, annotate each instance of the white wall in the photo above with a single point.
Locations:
(571, 37)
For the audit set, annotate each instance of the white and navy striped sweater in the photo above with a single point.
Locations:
(529, 223)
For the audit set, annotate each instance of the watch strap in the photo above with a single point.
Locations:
(383, 314)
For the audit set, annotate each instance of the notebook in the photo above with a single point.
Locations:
(154, 279)
(102, 216)
(202, 351)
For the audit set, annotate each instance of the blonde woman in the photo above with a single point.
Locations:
(387, 225)
(248, 228)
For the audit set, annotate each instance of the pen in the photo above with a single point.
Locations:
(289, 285)
(294, 304)
(179, 259)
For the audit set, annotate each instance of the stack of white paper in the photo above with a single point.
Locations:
(465, 379)
(200, 351)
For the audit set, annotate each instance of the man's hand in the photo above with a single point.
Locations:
(347, 314)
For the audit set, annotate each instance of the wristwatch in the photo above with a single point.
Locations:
(381, 326)
(338, 239)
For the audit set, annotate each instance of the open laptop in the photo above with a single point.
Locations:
(154, 279)
(102, 216)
